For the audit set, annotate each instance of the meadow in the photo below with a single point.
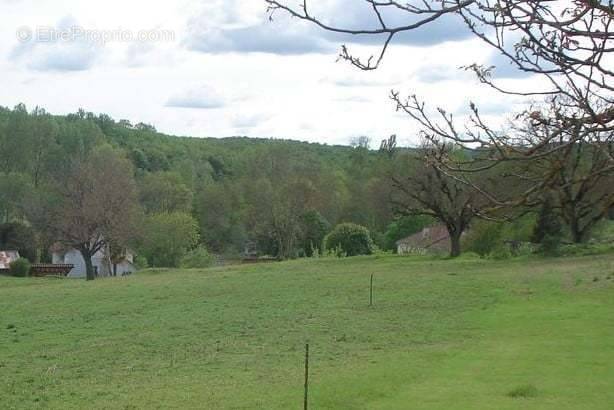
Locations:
(441, 334)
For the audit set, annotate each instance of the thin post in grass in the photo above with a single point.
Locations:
(306, 397)
(371, 292)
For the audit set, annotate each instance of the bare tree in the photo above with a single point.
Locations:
(570, 44)
(423, 189)
(93, 207)
(582, 190)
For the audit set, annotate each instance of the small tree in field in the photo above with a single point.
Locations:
(314, 229)
(351, 239)
(423, 189)
(92, 206)
(168, 237)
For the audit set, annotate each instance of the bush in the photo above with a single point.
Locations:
(551, 244)
(198, 258)
(349, 239)
(20, 268)
(484, 237)
(314, 228)
(525, 249)
(141, 262)
(167, 237)
(501, 253)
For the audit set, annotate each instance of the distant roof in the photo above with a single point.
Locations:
(7, 257)
(427, 237)
(59, 248)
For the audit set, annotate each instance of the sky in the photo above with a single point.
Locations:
(220, 68)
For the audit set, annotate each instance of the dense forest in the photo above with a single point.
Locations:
(284, 196)
(178, 201)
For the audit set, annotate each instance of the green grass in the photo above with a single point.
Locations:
(443, 334)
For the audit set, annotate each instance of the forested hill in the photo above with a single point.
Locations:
(237, 189)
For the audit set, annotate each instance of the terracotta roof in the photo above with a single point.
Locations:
(427, 237)
(59, 248)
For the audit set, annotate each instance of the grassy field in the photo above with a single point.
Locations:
(441, 335)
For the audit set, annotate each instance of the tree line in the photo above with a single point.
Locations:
(89, 182)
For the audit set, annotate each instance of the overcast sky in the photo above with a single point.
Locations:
(219, 68)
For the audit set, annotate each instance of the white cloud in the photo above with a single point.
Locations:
(231, 71)
(201, 97)
(244, 121)
(45, 49)
(236, 26)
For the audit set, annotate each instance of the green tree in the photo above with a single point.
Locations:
(220, 213)
(18, 237)
(350, 239)
(165, 192)
(14, 191)
(314, 229)
(167, 237)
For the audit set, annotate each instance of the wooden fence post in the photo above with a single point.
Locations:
(306, 398)
(371, 292)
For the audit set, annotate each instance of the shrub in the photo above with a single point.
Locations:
(350, 240)
(525, 249)
(501, 252)
(314, 228)
(20, 268)
(141, 262)
(484, 237)
(551, 244)
(197, 258)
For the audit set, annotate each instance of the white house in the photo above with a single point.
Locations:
(103, 265)
(6, 258)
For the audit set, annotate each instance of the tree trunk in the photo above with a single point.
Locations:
(281, 251)
(577, 235)
(455, 248)
(89, 266)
